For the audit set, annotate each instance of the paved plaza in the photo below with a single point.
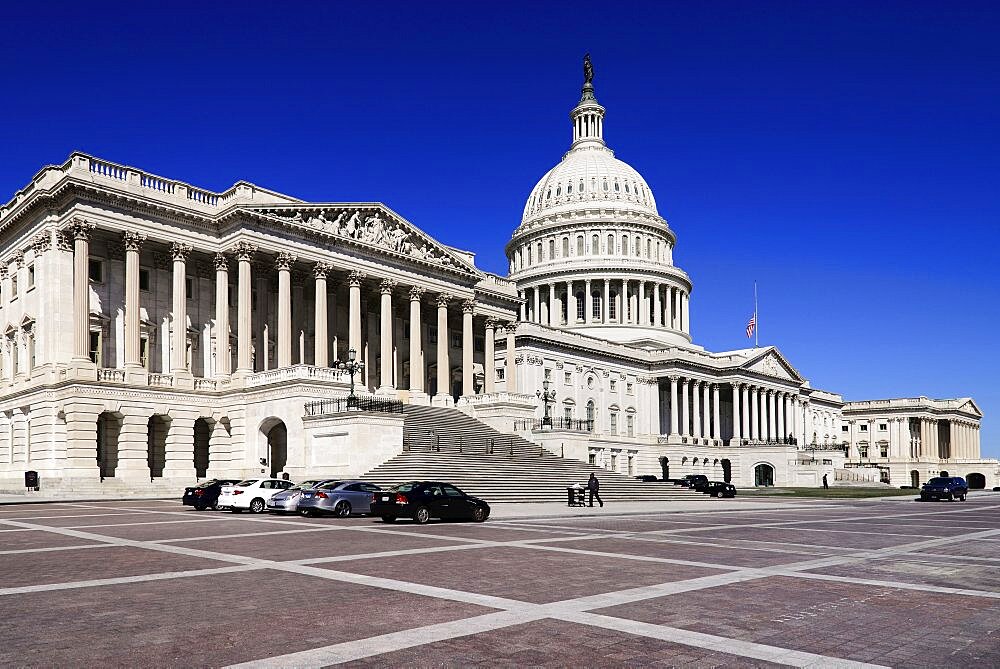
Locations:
(887, 582)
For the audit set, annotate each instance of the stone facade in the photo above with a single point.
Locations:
(152, 332)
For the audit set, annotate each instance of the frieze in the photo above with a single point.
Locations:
(41, 243)
(535, 360)
(367, 227)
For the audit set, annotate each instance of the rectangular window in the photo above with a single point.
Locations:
(628, 388)
(595, 306)
(565, 248)
(864, 428)
(13, 286)
(581, 307)
(614, 462)
(31, 276)
(432, 335)
(478, 344)
(568, 413)
(552, 249)
(614, 423)
(882, 427)
(500, 374)
(12, 345)
(95, 270)
(883, 450)
(863, 450)
(613, 306)
(614, 385)
(568, 378)
(188, 288)
(592, 458)
(843, 428)
(95, 348)
(456, 341)
(144, 352)
(630, 425)
(144, 279)
(548, 374)
(31, 352)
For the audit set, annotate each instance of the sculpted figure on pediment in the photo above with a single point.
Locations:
(351, 227)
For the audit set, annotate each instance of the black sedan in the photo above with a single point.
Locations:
(719, 489)
(205, 494)
(423, 500)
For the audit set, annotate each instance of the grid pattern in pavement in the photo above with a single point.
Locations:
(823, 584)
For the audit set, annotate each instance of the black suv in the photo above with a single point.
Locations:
(695, 481)
(944, 487)
(719, 489)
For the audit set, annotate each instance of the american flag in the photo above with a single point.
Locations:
(751, 326)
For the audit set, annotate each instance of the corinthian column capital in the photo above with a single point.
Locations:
(221, 262)
(386, 286)
(245, 251)
(284, 261)
(416, 293)
(321, 270)
(179, 251)
(132, 241)
(354, 278)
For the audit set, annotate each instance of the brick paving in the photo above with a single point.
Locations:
(842, 583)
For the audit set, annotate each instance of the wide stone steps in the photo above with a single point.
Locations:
(445, 444)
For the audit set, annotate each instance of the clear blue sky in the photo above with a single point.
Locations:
(844, 155)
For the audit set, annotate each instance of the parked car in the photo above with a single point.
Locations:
(251, 494)
(695, 481)
(423, 500)
(205, 495)
(341, 498)
(287, 501)
(720, 489)
(647, 478)
(944, 487)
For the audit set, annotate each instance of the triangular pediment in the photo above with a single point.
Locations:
(771, 363)
(970, 406)
(373, 226)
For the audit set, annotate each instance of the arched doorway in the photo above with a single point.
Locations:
(915, 479)
(109, 425)
(763, 475)
(976, 481)
(156, 444)
(276, 434)
(202, 434)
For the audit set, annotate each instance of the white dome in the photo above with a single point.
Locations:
(589, 174)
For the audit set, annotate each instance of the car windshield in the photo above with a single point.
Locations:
(331, 485)
(939, 481)
(306, 484)
(404, 487)
(247, 483)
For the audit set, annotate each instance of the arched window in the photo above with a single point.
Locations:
(638, 247)
(595, 301)
(595, 245)
(581, 305)
(581, 185)
(613, 305)
(552, 249)
(558, 190)
(539, 247)
(624, 245)
(649, 248)
(579, 245)
(617, 188)
(565, 250)
(569, 188)
(529, 255)
(605, 185)
(626, 189)
(590, 410)
(611, 245)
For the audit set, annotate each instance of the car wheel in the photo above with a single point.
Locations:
(719, 494)
(214, 507)
(479, 514)
(422, 515)
(342, 510)
(200, 507)
(388, 519)
(306, 513)
(963, 498)
(257, 505)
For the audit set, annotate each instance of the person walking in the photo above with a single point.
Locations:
(826, 486)
(593, 486)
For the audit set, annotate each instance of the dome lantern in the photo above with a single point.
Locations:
(588, 115)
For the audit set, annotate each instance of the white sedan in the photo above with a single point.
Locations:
(251, 494)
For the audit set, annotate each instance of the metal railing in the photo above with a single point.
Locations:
(354, 403)
(572, 424)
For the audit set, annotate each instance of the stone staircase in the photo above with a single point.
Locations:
(447, 445)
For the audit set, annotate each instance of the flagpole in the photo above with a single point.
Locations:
(756, 320)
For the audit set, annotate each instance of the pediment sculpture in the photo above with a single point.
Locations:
(369, 228)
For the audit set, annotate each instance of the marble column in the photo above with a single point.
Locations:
(354, 280)
(686, 313)
(716, 425)
(780, 400)
(321, 344)
(510, 374)
(736, 414)
(416, 347)
(606, 306)
(385, 336)
(677, 309)
(178, 358)
(443, 364)
(132, 242)
(685, 394)
(673, 406)
(468, 348)
(283, 263)
(755, 413)
(489, 357)
(244, 254)
(588, 301)
(745, 417)
(570, 303)
(657, 307)
(223, 357)
(695, 409)
(81, 231)
(643, 312)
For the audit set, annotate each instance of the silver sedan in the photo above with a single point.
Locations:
(340, 498)
(287, 501)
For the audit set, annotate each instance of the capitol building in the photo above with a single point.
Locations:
(154, 332)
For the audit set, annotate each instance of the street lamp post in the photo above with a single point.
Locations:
(352, 367)
(547, 396)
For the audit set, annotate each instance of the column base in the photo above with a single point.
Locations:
(442, 401)
(183, 379)
(136, 375)
(386, 391)
(419, 398)
(82, 369)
